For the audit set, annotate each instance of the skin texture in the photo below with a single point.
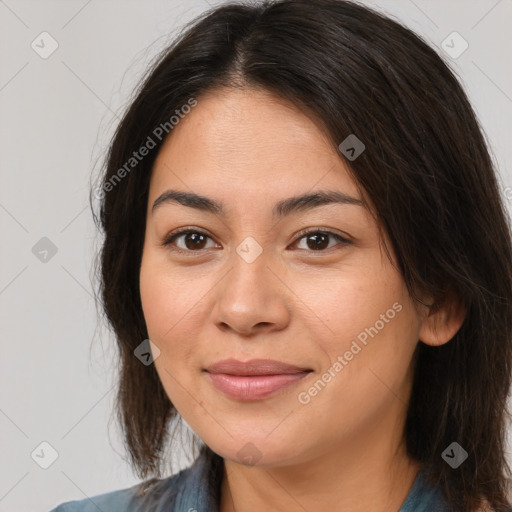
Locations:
(343, 449)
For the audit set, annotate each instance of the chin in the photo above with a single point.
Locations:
(257, 451)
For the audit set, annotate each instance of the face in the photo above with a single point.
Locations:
(306, 283)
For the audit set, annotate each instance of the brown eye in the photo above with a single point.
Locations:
(189, 241)
(319, 240)
(194, 241)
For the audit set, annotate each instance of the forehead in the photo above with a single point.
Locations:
(238, 143)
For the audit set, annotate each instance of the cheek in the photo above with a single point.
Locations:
(373, 327)
(377, 349)
(174, 311)
(351, 299)
(166, 297)
(168, 314)
(156, 300)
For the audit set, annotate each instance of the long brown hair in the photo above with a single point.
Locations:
(427, 170)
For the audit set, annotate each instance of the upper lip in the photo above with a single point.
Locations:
(254, 367)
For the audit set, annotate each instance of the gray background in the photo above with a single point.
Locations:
(56, 117)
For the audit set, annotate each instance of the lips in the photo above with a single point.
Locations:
(253, 380)
(254, 367)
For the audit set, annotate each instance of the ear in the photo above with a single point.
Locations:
(440, 325)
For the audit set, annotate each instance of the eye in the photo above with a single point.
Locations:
(318, 240)
(193, 240)
(188, 240)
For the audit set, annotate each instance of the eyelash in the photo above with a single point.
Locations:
(171, 237)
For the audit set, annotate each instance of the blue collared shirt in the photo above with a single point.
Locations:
(190, 491)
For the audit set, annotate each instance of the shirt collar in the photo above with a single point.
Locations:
(199, 491)
(197, 488)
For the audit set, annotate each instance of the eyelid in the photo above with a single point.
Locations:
(326, 231)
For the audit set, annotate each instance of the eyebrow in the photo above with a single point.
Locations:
(281, 209)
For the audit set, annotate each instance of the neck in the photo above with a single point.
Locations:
(370, 471)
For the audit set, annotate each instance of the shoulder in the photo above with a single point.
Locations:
(423, 497)
(120, 500)
(143, 496)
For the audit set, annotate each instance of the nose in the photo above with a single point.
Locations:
(252, 298)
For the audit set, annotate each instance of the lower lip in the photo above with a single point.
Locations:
(253, 387)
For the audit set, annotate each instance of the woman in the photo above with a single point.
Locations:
(307, 259)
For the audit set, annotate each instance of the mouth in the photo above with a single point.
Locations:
(255, 379)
